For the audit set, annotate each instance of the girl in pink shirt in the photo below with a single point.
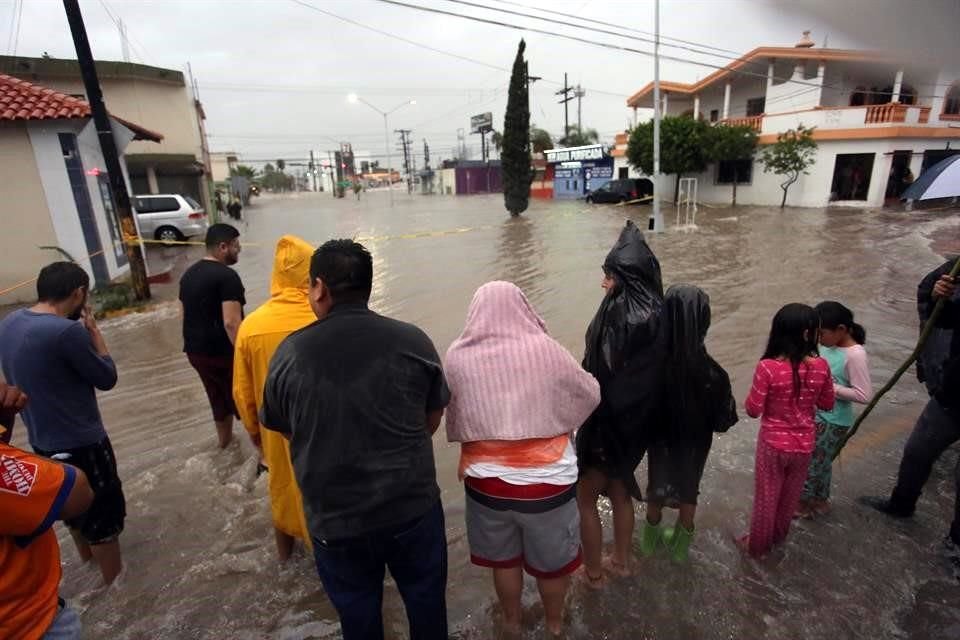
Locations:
(789, 384)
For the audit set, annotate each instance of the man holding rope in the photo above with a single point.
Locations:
(938, 426)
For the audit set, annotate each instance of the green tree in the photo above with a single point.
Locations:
(733, 144)
(275, 180)
(790, 156)
(244, 171)
(683, 147)
(540, 140)
(579, 138)
(281, 165)
(515, 157)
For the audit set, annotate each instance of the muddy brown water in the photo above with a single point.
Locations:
(198, 543)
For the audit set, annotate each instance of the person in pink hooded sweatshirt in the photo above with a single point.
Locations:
(517, 396)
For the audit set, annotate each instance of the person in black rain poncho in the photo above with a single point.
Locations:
(623, 352)
(697, 401)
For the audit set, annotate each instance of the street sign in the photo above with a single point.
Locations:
(481, 122)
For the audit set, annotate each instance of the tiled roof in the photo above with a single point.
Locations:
(21, 100)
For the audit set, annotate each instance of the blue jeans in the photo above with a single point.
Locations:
(352, 572)
(65, 626)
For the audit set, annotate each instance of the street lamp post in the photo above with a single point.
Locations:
(354, 98)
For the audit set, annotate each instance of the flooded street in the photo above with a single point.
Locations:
(199, 546)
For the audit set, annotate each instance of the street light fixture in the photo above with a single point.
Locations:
(353, 98)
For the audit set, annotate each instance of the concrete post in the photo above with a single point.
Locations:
(666, 103)
(152, 183)
(770, 69)
(726, 101)
(897, 86)
(696, 107)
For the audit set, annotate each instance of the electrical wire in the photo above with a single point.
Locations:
(603, 45)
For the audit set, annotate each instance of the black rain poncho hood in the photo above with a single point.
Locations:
(628, 317)
(697, 396)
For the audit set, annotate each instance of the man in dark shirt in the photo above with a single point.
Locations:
(54, 352)
(212, 298)
(360, 396)
(938, 427)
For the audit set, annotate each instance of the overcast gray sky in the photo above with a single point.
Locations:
(274, 74)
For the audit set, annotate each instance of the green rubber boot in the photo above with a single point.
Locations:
(651, 535)
(677, 540)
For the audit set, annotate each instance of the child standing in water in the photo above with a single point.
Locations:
(789, 383)
(841, 345)
(697, 402)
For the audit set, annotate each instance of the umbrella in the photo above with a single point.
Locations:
(942, 180)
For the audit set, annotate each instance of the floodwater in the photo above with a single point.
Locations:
(198, 544)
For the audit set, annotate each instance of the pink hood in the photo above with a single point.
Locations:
(509, 379)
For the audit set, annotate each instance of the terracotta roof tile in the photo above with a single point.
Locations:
(21, 100)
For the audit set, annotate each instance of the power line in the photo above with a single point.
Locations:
(594, 29)
(13, 25)
(16, 37)
(610, 24)
(433, 49)
(594, 43)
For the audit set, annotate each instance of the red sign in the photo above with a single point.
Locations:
(17, 476)
(93, 172)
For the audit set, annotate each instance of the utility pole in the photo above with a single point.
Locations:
(565, 102)
(579, 93)
(108, 147)
(461, 145)
(124, 43)
(655, 223)
(333, 184)
(405, 144)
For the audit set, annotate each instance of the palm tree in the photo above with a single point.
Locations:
(577, 138)
(540, 140)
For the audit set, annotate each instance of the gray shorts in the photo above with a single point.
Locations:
(541, 535)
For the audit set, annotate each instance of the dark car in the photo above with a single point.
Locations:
(621, 190)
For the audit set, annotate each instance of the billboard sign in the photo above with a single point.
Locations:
(481, 122)
(570, 154)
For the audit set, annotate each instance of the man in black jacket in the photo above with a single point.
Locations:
(938, 427)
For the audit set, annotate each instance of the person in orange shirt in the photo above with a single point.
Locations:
(34, 493)
(287, 310)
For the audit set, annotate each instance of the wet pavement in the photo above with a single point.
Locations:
(198, 544)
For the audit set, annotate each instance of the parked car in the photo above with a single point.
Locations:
(169, 216)
(621, 190)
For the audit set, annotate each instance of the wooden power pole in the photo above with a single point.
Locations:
(108, 147)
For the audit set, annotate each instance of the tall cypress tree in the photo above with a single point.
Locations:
(515, 154)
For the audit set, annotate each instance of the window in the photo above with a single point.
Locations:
(756, 106)
(157, 204)
(742, 169)
(851, 176)
(193, 203)
(951, 103)
(623, 172)
(142, 205)
(714, 115)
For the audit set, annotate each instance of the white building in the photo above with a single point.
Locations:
(55, 189)
(876, 116)
(222, 163)
(161, 99)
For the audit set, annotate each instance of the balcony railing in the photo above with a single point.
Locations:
(755, 122)
(886, 113)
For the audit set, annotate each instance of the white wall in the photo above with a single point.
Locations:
(811, 190)
(59, 195)
(944, 79)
